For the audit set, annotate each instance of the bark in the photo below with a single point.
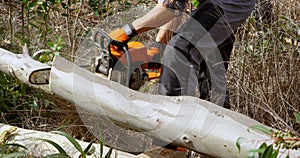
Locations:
(186, 121)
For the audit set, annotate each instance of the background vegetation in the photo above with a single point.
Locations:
(264, 77)
(264, 74)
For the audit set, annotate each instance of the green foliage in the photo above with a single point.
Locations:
(73, 141)
(99, 7)
(101, 143)
(238, 143)
(47, 55)
(10, 150)
(262, 129)
(264, 151)
(89, 150)
(109, 153)
(286, 140)
(282, 140)
(61, 151)
(56, 46)
(195, 3)
(12, 93)
(15, 98)
(297, 117)
(14, 155)
(107, 7)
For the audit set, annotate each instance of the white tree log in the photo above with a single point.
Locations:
(39, 148)
(20, 66)
(185, 121)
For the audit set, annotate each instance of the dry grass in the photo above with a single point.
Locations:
(264, 76)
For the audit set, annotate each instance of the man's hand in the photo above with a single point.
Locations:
(123, 34)
(119, 35)
(156, 51)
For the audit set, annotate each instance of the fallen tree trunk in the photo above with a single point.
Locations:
(21, 66)
(186, 121)
(37, 147)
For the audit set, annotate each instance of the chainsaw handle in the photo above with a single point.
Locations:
(124, 47)
(118, 44)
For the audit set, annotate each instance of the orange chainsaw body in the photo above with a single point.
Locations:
(139, 54)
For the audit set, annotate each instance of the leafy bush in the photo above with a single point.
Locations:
(281, 141)
(16, 97)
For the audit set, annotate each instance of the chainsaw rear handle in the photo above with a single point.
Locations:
(122, 46)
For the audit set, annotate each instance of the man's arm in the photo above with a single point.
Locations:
(157, 17)
(161, 14)
(166, 31)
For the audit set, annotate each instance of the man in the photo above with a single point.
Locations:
(198, 53)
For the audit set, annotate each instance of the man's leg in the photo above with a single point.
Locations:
(181, 60)
(204, 78)
(225, 50)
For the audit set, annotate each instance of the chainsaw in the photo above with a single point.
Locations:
(128, 63)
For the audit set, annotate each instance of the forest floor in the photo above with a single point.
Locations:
(263, 77)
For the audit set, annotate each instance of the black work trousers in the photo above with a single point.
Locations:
(193, 63)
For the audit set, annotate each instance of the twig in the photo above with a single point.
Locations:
(287, 139)
(75, 30)
(25, 49)
(10, 22)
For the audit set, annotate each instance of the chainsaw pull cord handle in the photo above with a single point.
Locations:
(123, 46)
